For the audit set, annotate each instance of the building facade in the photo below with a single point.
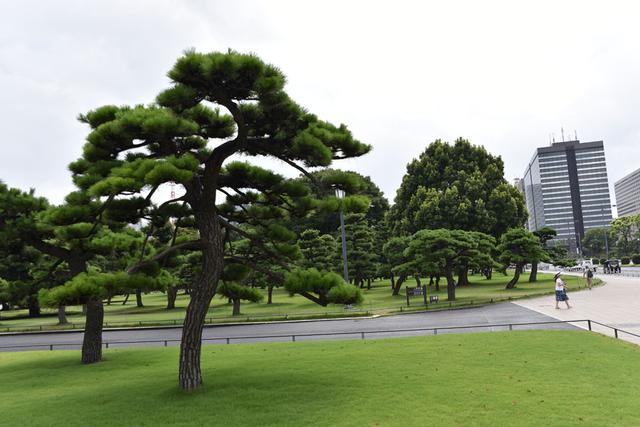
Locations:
(566, 188)
(628, 194)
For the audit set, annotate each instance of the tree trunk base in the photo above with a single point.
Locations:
(92, 341)
(62, 316)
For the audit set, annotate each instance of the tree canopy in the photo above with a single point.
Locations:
(519, 246)
(457, 186)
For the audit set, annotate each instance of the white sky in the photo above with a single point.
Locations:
(503, 74)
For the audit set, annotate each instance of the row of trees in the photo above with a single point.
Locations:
(622, 238)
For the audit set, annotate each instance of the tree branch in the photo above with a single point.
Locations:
(190, 245)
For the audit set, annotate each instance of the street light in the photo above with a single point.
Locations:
(606, 238)
(340, 195)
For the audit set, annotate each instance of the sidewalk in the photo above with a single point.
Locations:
(616, 304)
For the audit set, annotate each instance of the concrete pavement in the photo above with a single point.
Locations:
(616, 304)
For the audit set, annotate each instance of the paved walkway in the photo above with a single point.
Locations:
(616, 304)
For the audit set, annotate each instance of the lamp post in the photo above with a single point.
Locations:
(604, 229)
(340, 195)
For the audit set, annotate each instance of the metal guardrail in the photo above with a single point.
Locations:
(360, 334)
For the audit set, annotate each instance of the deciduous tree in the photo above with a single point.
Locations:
(457, 186)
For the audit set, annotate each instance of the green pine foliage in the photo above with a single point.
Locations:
(360, 249)
(319, 251)
(446, 250)
(321, 287)
(518, 247)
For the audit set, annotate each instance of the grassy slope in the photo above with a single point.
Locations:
(534, 378)
(376, 298)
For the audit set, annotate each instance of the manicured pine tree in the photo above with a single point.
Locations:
(446, 249)
(318, 251)
(544, 235)
(65, 233)
(519, 246)
(360, 254)
(321, 185)
(184, 140)
(399, 264)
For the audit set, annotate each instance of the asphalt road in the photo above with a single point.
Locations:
(350, 329)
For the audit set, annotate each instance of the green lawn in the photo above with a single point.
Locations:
(525, 378)
(378, 300)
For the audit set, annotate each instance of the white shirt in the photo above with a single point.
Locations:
(560, 284)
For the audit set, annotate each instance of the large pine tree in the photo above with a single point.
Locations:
(219, 105)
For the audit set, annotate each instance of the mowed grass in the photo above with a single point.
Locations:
(378, 299)
(525, 378)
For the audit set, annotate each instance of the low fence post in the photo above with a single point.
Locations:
(435, 331)
(616, 331)
(510, 327)
(362, 335)
(589, 324)
(165, 343)
(51, 347)
(293, 338)
(228, 341)
(106, 345)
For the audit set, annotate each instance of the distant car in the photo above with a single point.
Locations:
(612, 266)
(587, 263)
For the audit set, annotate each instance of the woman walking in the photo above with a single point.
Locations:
(561, 291)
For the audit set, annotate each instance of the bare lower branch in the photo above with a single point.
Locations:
(190, 245)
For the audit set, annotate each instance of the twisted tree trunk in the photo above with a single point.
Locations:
(398, 284)
(516, 277)
(190, 375)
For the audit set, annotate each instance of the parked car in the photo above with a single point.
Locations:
(612, 266)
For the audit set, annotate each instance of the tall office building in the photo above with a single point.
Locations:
(628, 194)
(566, 188)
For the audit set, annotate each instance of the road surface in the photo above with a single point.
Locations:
(351, 328)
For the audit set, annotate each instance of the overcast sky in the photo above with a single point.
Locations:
(400, 74)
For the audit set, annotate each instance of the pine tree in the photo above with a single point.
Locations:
(360, 255)
(319, 251)
(182, 139)
(519, 246)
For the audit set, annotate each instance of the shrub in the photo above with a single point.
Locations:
(635, 258)
(603, 260)
(625, 260)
